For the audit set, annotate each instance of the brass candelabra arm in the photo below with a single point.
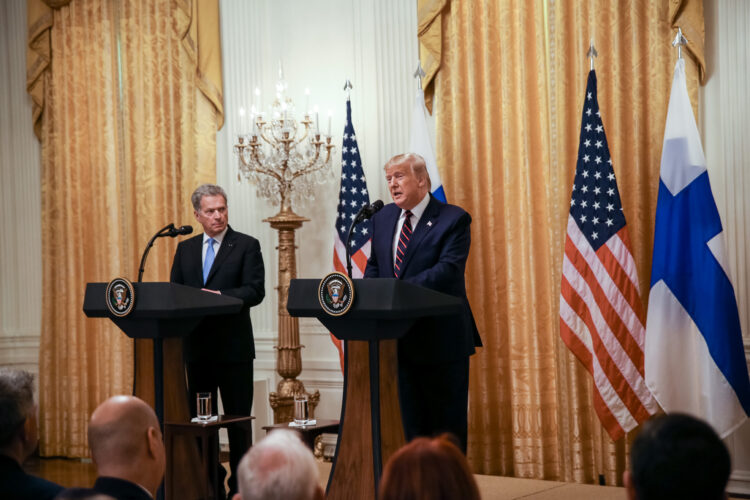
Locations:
(314, 163)
(255, 164)
(306, 122)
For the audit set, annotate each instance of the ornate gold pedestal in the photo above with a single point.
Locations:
(289, 358)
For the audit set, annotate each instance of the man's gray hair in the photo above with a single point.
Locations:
(415, 161)
(279, 466)
(206, 190)
(16, 401)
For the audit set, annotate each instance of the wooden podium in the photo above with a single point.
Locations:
(371, 430)
(167, 312)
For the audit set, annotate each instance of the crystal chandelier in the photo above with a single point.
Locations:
(284, 158)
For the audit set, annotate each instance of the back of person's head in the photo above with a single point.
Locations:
(125, 441)
(82, 494)
(278, 466)
(677, 456)
(18, 432)
(428, 469)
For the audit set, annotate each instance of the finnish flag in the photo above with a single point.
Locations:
(694, 355)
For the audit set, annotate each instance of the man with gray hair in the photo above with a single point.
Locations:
(279, 466)
(18, 438)
(219, 353)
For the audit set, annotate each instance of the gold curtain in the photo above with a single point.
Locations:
(508, 98)
(127, 132)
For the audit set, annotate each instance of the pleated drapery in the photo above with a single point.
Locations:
(508, 96)
(127, 118)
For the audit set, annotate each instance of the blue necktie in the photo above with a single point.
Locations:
(209, 259)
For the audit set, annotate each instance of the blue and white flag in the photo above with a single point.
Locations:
(421, 144)
(695, 361)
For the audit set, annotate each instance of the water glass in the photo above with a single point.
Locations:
(301, 409)
(204, 405)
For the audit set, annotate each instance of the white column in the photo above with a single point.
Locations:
(725, 121)
(321, 44)
(20, 201)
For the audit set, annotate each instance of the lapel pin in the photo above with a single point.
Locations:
(429, 223)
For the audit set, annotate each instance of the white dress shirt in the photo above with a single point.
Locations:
(416, 214)
(217, 244)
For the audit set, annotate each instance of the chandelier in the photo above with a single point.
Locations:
(283, 157)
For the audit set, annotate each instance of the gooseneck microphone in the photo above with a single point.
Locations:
(173, 231)
(364, 213)
(168, 230)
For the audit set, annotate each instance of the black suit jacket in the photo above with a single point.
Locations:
(120, 489)
(15, 484)
(435, 258)
(238, 272)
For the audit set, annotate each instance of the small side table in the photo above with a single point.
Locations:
(208, 433)
(308, 433)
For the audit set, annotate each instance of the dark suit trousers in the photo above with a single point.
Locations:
(235, 381)
(434, 398)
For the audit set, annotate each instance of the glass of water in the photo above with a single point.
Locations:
(204, 405)
(301, 409)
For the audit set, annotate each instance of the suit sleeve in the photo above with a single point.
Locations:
(451, 263)
(252, 288)
(175, 275)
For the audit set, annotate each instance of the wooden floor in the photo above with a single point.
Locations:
(73, 472)
(66, 472)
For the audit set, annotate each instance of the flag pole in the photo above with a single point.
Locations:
(679, 41)
(348, 88)
(591, 54)
(419, 74)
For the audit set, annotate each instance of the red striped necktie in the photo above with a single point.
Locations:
(403, 242)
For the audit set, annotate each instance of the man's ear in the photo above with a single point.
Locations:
(627, 481)
(154, 441)
(27, 429)
(319, 493)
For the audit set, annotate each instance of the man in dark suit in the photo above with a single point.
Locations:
(127, 449)
(426, 242)
(18, 438)
(220, 351)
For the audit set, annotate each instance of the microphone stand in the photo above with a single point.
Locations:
(162, 232)
(158, 350)
(357, 219)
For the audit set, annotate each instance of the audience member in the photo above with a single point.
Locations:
(82, 494)
(127, 449)
(677, 456)
(279, 466)
(428, 469)
(18, 438)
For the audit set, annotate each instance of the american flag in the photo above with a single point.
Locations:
(352, 196)
(602, 318)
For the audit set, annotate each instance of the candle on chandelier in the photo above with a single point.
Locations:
(307, 101)
(317, 125)
(241, 114)
(330, 113)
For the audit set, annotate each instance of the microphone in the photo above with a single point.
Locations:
(168, 230)
(364, 213)
(179, 231)
(368, 211)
